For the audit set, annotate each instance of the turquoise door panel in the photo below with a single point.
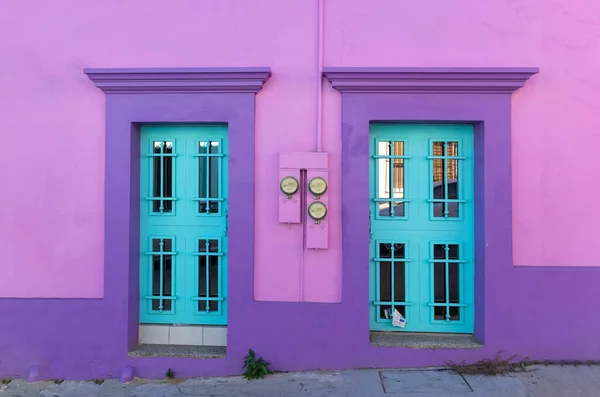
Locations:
(183, 224)
(422, 227)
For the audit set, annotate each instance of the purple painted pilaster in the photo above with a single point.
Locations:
(478, 96)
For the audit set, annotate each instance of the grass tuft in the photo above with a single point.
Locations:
(496, 365)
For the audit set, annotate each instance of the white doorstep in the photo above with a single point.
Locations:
(188, 335)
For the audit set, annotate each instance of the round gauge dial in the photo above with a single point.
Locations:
(317, 210)
(289, 185)
(317, 186)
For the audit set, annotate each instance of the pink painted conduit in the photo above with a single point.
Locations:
(303, 219)
(320, 43)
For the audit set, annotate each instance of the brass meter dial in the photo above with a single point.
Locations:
(289, 185)
(317, 211)
(317, 186)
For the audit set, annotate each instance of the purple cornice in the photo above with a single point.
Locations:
(179, 80)
(428, 80)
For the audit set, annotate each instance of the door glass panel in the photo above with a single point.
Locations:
(208, 176)
(162, 176)
(390, 179)
(385, 277)
(392, 284)
(208, 276)
(446, 282)
(452, 180)
(162, 274)
(445, 179)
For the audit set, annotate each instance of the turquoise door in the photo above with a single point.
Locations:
(183, 224)
(422, 227)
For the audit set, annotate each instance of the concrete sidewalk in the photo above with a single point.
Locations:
(542, 381)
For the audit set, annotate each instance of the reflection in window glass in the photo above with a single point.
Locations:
(445, 179)
(390, 179)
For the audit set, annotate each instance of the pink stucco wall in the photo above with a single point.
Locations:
(52, 117)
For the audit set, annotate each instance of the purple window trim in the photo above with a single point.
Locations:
(200, 95)
(428, 80)
(430, 95)
(179, 80)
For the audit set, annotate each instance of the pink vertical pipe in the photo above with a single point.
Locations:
(320, 17)
(320, 34)
(320, 39)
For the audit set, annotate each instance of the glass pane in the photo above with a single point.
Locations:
(167, 280)
(201, 280)
(439, 251)
(155, 281)
(454, 313)
(162, 245)
(439, 312)
(156, 183)
(445, 179)
(399, 282)
(439, 282)
(452, 150)
(383, 148)
(390, 178)
(162, 176)
(454, 281)
(162, 277)
(446, 291)
(202, 245)
(385, 250)
(213, 246)
(384, 208)
(208, 176)
(157, 148)
(398, 183)
(399, 251)
(385, 282)
(453, 251)
(212, 277)
(168, 177)
(439, 191)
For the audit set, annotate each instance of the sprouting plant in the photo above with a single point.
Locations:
(170, 374)
(253, 368)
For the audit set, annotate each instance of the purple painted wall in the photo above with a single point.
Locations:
(53, 236)
(520, 304)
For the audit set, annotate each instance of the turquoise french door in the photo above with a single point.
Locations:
(422, 227)
(183, 224)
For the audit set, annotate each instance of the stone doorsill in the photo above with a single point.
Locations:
(418, 340)
(178, 351)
